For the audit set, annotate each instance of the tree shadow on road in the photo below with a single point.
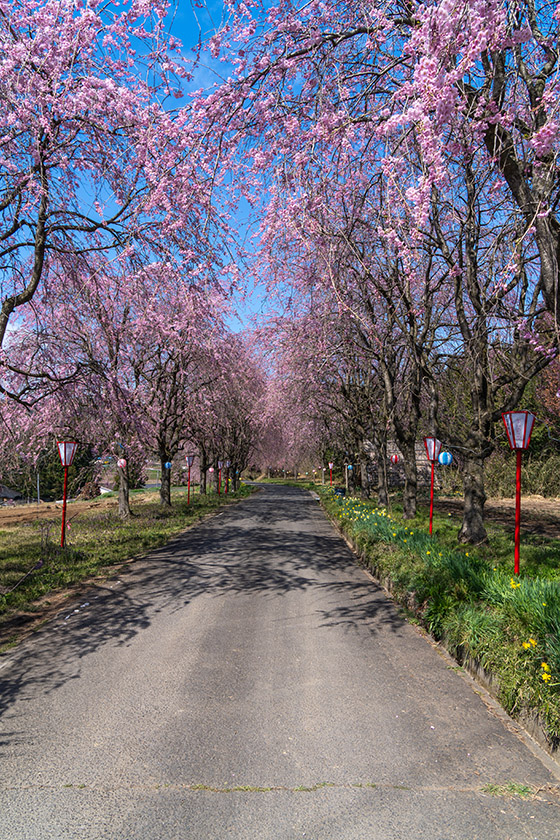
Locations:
(272, 544)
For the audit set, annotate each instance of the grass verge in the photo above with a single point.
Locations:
(33, 566)
(469, 599)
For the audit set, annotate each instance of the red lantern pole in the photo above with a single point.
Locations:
(518, 426)
(66, 451)
(219, 481)
(433, 447)
(432, 497)
(517, 510)
(63, 534)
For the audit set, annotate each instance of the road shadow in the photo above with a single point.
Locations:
(274, 543)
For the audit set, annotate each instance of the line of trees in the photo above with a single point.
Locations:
(405, 159)
(400, 159)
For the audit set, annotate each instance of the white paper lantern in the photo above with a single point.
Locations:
(66, 450)
(433, 447)
(519, 425)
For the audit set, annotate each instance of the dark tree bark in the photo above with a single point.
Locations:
(380, 445)
(165, 484)
(410, 478)
(124, 494)
(473, 530)
(203, 469)
(366, 487)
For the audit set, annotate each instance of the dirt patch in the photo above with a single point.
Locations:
(18, 514)
(538, 514)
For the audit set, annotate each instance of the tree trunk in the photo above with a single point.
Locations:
(473, 530)
(380, 446)
(410, 480)
(203, 468)
(351, 479)
(366, 487)
(165, 486)
(124, 497)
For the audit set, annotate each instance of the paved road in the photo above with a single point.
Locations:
(249, 681)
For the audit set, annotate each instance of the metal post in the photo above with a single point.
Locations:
(62, 536)
(517, 510)
(432, 497)
(38, 493)
(189, 487)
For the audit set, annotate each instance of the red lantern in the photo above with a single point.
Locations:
(190, 462)
(519, 425)
(66, 450)
(394, 459)
(433, 447)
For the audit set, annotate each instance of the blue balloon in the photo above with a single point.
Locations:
(445, 458)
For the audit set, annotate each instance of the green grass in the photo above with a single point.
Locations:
(509, 789)
(468, 598)
(34, 566)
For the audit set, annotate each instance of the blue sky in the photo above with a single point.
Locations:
(189, 24)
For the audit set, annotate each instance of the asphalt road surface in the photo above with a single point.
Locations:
(249, 681)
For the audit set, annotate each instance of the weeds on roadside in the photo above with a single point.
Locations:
(470, 601)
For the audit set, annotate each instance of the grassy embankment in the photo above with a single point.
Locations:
(468, 598)
(34, 568)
